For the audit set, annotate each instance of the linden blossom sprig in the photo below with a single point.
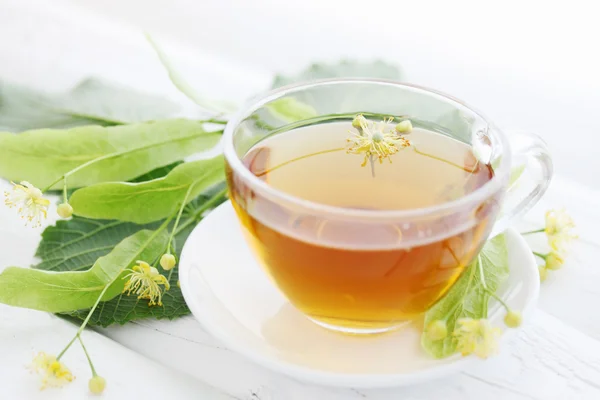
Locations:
(53, 372)
(143, 280)
(476, 336)
(33, 207)
(558, 229)
(168, 260)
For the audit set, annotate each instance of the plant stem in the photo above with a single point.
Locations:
(540, 255)
(183, 203)
(484, 284)
(482, 276)
(208, 204)
(531, 232)
(494, 295)
(87, 356)
(268, 171)
(109, 284)
(85, 322)
(215, 121)
(65, 197)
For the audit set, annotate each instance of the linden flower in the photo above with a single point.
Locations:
(31, 205)
(372, 140)
(554, 261)
(53, 372)
(477, 336)
(558, 229)
(145, 281)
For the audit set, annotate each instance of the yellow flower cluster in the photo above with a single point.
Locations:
(559, 232)
(145, 281)
(30, 203)
(375, 141)
(53, 372)
(559, 226)
(476, 336)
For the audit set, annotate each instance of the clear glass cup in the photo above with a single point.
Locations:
(361, 286)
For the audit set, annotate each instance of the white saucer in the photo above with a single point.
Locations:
(234, 300)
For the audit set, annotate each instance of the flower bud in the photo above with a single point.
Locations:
(513, 319)
(168, 261)
(437, 330)
(358, 121)
(64, 210)
(404, 126)
(97, 384)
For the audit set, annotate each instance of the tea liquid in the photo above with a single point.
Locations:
(358, 275)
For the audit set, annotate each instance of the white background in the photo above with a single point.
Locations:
(527, 64)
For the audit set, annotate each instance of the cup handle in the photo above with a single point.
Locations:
(531, 173)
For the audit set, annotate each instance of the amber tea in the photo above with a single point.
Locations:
(361, 275)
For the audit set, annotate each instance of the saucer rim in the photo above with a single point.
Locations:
(447, 366)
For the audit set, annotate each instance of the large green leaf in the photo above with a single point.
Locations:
(148, 201)
(75, 244)
(24, 109)
(74, 290)
(342, 69)
(467, 298)
(104, 101)
(41, 156)
(91, 102)
(289, 109)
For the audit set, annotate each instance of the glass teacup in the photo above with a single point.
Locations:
(368, 267)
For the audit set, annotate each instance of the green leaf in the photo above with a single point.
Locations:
(91, 102)
(103, 101)
(156, 173)
(75, 244)
(184, 87)
(24, 109)
(69, 291)
(148, 201)
(467, 298)
(42, 156)
(343, 69)
(289, 109)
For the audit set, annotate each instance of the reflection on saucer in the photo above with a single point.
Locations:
(301, 341)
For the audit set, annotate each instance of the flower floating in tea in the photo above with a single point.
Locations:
(376, 140)
(31, 204)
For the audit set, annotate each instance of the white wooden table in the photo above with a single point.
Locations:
(556, 356)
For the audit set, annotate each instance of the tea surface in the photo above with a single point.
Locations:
(336, 272)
